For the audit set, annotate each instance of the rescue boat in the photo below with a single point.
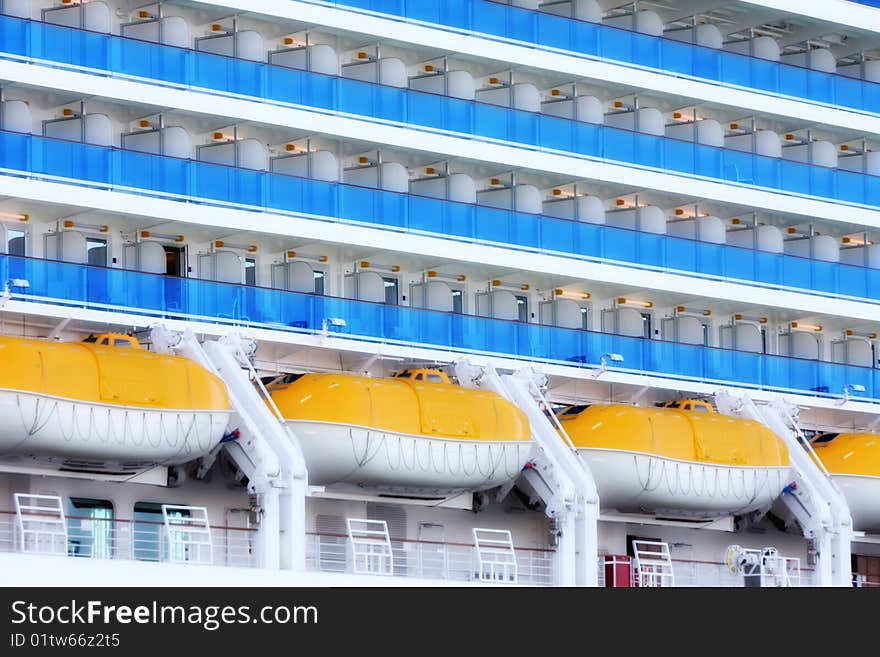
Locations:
(683, 459)
(853, 461)
(105, 404)
(415, 431)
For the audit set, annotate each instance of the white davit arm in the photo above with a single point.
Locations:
(281, 471)
(831, 522)
(575, 501)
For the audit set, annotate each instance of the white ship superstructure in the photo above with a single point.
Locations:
(476, 292)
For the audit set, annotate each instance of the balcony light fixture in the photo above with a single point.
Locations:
(459, 278)
(366, 264)
(299, 255)
(250, 248)
(514, 286)
(623, 301)
(161, 236)
(580, 296)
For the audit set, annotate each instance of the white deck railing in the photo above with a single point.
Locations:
(693, 573)
(99, 538)
(457, 562)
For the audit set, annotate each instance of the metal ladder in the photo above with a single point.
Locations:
(496, 558)
(187, 534)
(652, 564)
(370, 546)
(42, 525)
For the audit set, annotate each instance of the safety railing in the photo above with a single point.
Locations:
(139, 540)
(178, 179)
(862, 581)
(186, 298)
(189, 68)
(458, 562)
(545, 31)
(688, 573)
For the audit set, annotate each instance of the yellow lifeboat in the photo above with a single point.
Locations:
(105, 404)
(415, 431)
(682, 459)
(853, 461)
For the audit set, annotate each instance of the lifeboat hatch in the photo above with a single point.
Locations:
(427, 374)
(276, 382)
(695, 405)
(113, 340)
(823, 439)
(571, 411)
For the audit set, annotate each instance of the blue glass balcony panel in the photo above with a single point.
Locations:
(494, 18)
(173, 297)
(85, 164)
(227, 75)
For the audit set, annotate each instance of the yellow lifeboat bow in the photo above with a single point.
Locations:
(413, 431)
(680, 459)
(106, 403)
(853, 461)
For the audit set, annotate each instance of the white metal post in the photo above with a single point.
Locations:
(831, 524)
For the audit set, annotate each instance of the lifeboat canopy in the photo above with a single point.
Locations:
(104, 404)
(853, 461)
(413, 430)
(682, 458)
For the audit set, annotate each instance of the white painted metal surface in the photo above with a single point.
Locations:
(188, 534)
(652, 564)
(42, 528)
(370, 546)
(495, 555)
(266, 447)
(565, 482)
(825, 514)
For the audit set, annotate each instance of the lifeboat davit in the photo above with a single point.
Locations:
(414, 432)
(105, 405)
(680, 460)
(853, 461)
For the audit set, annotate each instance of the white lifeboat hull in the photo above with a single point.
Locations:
(862, 493)
(645, 483)
(371, 458)
(86, 435)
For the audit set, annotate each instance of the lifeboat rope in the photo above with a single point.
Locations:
(452, 458)
(44, 410)
(681, 479)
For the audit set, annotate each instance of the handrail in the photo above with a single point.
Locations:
(604, 128)
(465, 26)
(479, 222)
(379, 304)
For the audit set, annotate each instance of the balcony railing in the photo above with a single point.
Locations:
(702, 573)
(132, 540)
(164, 296)
(189, 68)
(458, 562)
(595, 41)
(178, 179)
